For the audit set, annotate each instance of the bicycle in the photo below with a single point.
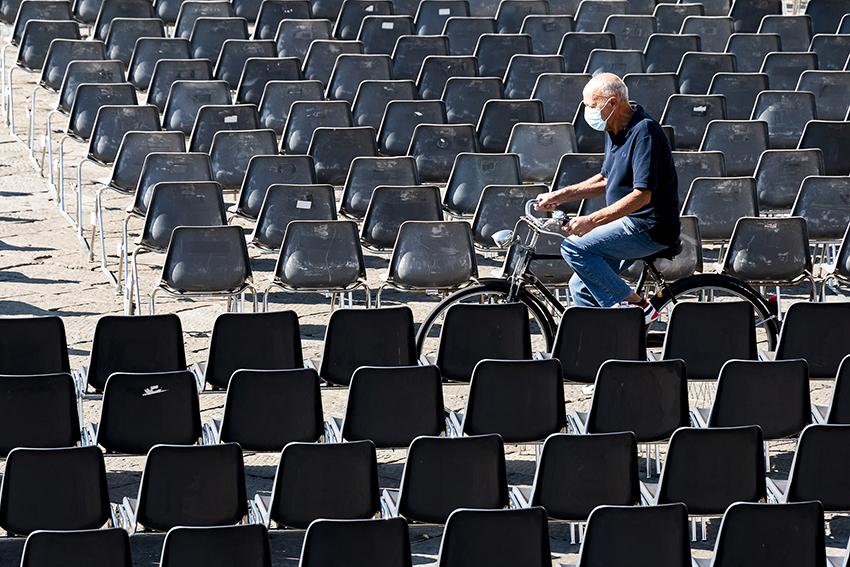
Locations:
(521, 285)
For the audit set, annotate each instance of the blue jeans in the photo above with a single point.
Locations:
(598, 257)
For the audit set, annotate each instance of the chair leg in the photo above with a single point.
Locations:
(693, 528)
(572, 533)
(766, 456)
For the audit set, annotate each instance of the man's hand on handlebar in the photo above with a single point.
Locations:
(547, 201)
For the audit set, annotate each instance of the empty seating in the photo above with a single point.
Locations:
(828, 136)
(816, 333)
(689, 116)
(786, 114)
(33, 345)
(740, 90)
(198, 546)
(284, 203)
(390, 207)
(742, 143)
(78, 548)
(717, 221)
(779, 174)
(38, 411)
(367, 173)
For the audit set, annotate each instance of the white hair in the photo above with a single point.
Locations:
(608, 85)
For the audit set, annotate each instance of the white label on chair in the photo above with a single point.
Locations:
(304, 204)
(387, 25)
(444, 11)
(370, 8)
(230, 119)
(93, 218)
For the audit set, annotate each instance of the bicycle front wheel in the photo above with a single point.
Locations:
(541, 323)
(714, 287)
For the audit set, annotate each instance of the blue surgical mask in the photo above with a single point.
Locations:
(593, 116)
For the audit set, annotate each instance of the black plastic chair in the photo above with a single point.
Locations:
(495, 538)
(372, 99)
(265, 171)
(816, 333)
(719, 203)
(828, 88)
(592, 14)
(78, 548)
(258, 72)
(437, 70)
(168, 71)
(471, 173)
(64, 488)
(185, 99)
(463, 32)
(150, 50)
(351, 69)
(786, 114)
(523, 71)
(663, 52)
(795, 31)
(379, 33)
(540, 148)
(779, 174)
(663, 530)
(741, 91)
(763, 532)
(713, 30)
(191, 10)
(494, 52)
(293, 37)
(391, 406)
(500, 208)
(837, 410)
(267, 409)
(337, 481)
(511, 14)
(822, 201)
(520, 400)
(431, 15)
(560, 94)
(832, 51)
(376, 543)
(305, 116)
(574, 168)
(669, 18)
(231, 151)
(653, 90)
(750, 49)
(188, 485)
(124, 344)
(577, 473)
(748, 14)
(696, 70)
(209, 34)
(216, 545)
(401, 118)
(709, 469)
(352, 13)
(334, 149)
(283, 204)
(478, 478)
(321, 57)
(367, 173)
(827, 136)
(632, 31)
(546, 31)
(498, 118)
(33, 345)
(617, 61)
(390, 342)
(465, 97)
(391, 206)
(38, 411)
(166, 411)
(234, 54)
(271, 14)
(825, 14)
(111, 9)
(435, 148)
(411, 50)
(741, 141)
(278, 98)
(123, 33)
(213, 118)
(784, 68)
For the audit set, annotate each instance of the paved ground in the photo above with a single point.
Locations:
(43, 271)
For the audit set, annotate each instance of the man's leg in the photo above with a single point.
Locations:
(596, 259)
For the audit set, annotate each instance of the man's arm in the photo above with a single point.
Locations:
(632, 202)
(592, 187)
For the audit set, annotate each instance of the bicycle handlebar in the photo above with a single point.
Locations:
(551, 226)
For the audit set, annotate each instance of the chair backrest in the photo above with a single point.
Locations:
(691, 165)
(134, 150)
(168, 71)
(546, 31)
(148, 51)
(741, 141)
(37, 37)
(54, 489)
(540, 148)
(333, 150)
(286, 203)
(213, 118)
(709, 469)
(470, 536)
(795, 31)
(401, 118)
(577, 473)
(838, 410)
(663, 530)
(435, 148)
(125, 31)
(234, 54)
(669, 17)
(588, 336)
(192, 10)
(689, 116)
(267, 409)
(232, 150)
(653, 90)
(87, 71)
(30, 10)
(832, 52)
(246, 545)
(108, 547)
(113, 122)
(390, 207)
(433, 255)
(825, 135)
(763, 532)
(257, 341)
(93, 96)
(574, 168)
(436, 71)
(272, 14)
(472, 173)
(477, 477)
(664, 51)
(321, 57)
(719, 203)
(140, 410)
(186, 98)
(499, 208)
(176, 204)
(784, 68)
(617, 61)
(748, 14)
(169, 167)
(779, 174)
(61, 52)
(389, 342)
(33, 345)
(305, 116)
(592, 14)
(124, 344)
(498, 118)
(510, 15)
(111, 9)
(823, 202)
(209, 34)
(713, 30)
(352, 13)
(279, 96)
(632, 30)
(294, 36)
(818, 333)
(473, 332)
(379, 33)
(494, 52)
(372, 99)
(463, 32)
(523, 70)
(518, 399)
(411, 50)
(786, 114)
(352, 68)
(465, 97)
(810, 477)
(260, 71)
(431, 15)
(367, 173)
(828, 88)
(750, 49)
(360, 543)
(392, 406)
(207, 259)
(824, 14)
(769, 249)
(192, 485)
(706, 335)
(649, 399)
(337, 481)
(38, 411)
(771, 394)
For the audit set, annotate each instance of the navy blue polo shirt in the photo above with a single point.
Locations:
(639, 156)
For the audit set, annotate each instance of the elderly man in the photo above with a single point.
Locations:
(639, 182)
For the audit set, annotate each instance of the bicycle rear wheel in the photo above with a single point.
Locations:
(489, 291)
(714, 287)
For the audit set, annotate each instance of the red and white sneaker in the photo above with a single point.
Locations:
(649, 312)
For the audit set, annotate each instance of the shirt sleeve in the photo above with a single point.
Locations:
(645, 162)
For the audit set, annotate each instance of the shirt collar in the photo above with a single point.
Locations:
(638, 115)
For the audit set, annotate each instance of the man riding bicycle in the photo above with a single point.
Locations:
(639, 182)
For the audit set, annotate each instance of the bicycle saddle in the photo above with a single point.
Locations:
(668, 253)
